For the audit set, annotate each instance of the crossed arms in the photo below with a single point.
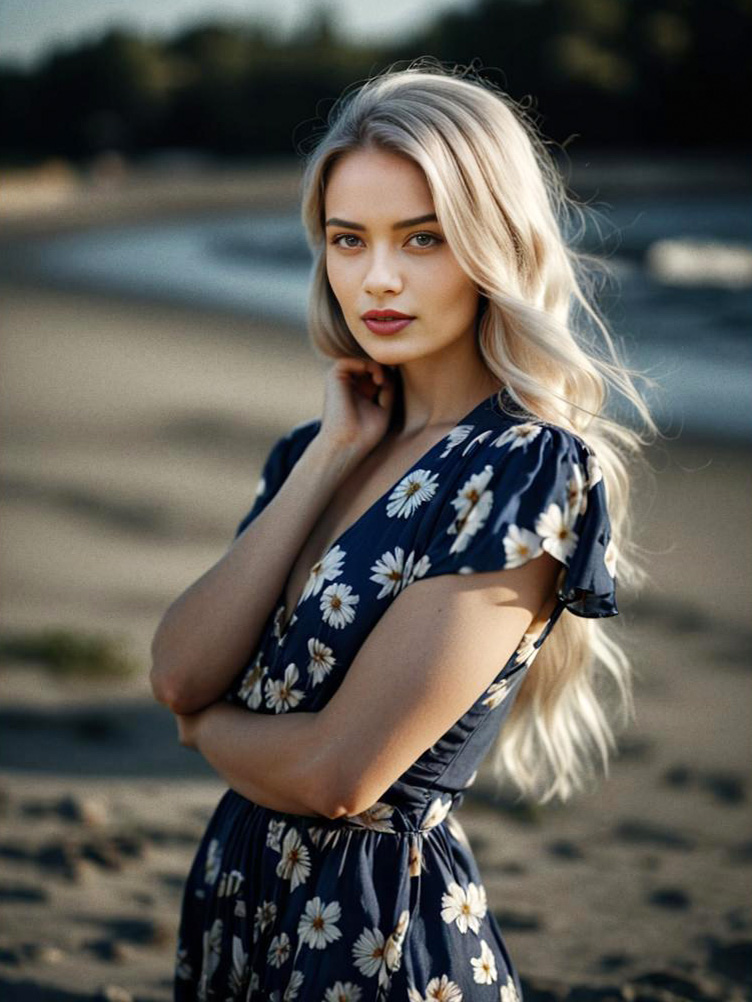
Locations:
(431, 655)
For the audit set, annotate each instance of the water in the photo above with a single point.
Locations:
(696, 341)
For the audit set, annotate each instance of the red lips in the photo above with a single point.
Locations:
(386, 315)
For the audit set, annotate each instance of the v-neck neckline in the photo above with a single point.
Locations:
(490, 400)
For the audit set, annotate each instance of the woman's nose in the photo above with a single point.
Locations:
(382, 275)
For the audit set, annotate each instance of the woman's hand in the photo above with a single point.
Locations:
(187, 723)
(358, 400)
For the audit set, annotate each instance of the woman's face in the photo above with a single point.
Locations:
(375, 262)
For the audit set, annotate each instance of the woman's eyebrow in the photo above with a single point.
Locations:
(430, 218)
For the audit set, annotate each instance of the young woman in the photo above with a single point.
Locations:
(382, 611)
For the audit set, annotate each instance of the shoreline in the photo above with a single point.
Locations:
(132, 437)
(235, 324)
(55, 196)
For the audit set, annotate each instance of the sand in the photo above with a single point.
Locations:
(132, 437)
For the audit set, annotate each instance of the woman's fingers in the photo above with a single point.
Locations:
(363, 366)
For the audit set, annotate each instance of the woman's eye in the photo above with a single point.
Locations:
(340, 239)
(344, 236)
(431, 236)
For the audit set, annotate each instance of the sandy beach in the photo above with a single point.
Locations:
(132, 438)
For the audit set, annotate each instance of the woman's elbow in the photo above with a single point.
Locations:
(331, 806)
(169, 691)
(342, 798)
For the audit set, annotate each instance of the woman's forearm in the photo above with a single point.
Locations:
(209, 632)
(275, 761)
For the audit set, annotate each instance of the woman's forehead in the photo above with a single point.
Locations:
(379, 185)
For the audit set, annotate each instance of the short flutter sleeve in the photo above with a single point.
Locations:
(282, 457)
(528, 489)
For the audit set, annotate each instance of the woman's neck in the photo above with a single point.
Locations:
(409, 411)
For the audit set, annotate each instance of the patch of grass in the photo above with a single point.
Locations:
(68, 652)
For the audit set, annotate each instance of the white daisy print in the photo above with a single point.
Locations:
(394, 572)
(476, 441)
(212, 944)
(393, 944)
(520, 545)
(322, 837)
(374, 956)
(527, 649)
(229, 883)
(274, 833)
(438, 810)
(293, 986)
(455, 436)
(260, 486)
(466, 907)
(264, 918)
(415, 569)
(484, 972)
(281, 695)
(577, 491)
(212, 863)
(295, 864)
(326, 569)
(556, 532)
(240, 909)
(250, 687)
(508, 992)
(595, 473)
(183, 969)
(322, 660)
(471, 779)
(343, 991)
(388, 571)
(239, 971)
(414, 488)
(497, 693)
(443, 989)
(368, 952)
(610, 557)
(338, 605)
(473, 504)
(518, 435)
(279, 950)
(318, 924)
(279, 615)
(470, 493)
(376, 817)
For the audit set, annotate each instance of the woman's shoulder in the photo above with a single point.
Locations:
(494, 434)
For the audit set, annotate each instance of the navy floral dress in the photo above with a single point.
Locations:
(389, 903)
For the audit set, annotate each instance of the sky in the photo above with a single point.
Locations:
(30, 28)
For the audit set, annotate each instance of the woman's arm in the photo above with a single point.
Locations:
(430, 657)
(270, 759)
(206, 635)
(209, 632)
(398, 697)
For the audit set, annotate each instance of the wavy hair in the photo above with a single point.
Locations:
(504, 210)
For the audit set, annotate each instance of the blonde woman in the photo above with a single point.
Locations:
(426, 569)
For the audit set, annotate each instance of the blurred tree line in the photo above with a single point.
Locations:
(625, 73)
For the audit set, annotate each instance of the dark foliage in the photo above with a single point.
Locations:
(609, 72)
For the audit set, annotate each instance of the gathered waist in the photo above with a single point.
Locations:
(382, 817)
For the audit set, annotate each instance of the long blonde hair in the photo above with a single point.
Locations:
(502, 205)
